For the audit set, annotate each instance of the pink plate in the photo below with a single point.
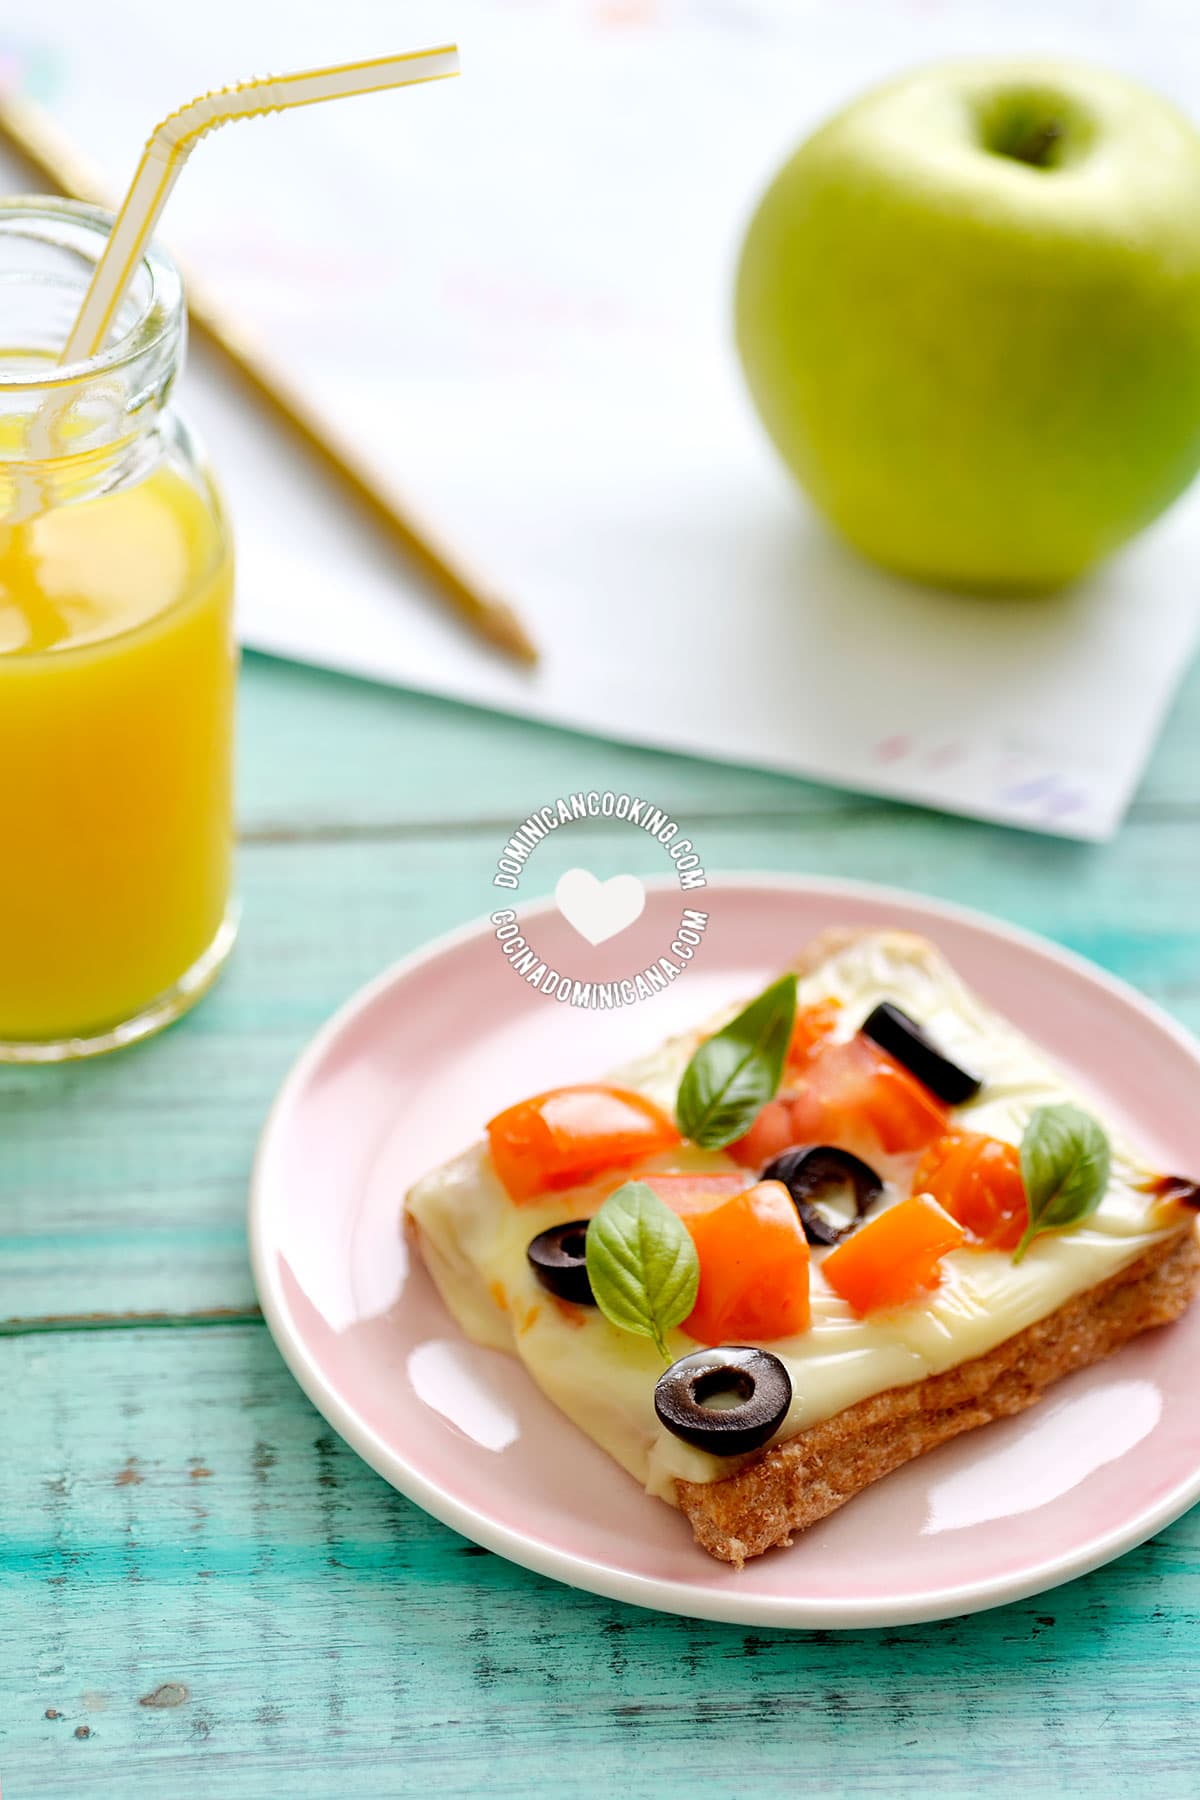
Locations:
(406, 1074)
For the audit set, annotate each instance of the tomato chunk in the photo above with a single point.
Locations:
(853, 1094)
(895, 1258)
(753, 1267)
(770, 1133)
(978, 1181)
(570, 1134)
(813, 1025)
(687, 1193)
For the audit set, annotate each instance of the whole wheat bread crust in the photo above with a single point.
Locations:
(796, 1483)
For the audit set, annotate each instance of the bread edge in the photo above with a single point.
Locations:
(796, 1483)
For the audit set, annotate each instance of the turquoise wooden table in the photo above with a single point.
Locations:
(204, 1592)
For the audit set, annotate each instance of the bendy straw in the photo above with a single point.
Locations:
(172, 142)
(36, 139)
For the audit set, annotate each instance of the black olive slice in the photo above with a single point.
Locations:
(725, 1401)
(1179, 1188)
(558, 1258)
(807, 1170)
(904, 1039)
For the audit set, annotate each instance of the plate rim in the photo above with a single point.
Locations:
(668, 1595)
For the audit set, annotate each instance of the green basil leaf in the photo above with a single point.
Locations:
(1065, 1160)
(733, 1074)
(642, 1264)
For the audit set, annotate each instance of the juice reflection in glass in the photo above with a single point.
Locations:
(117, 661)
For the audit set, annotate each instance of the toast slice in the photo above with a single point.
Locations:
(868, 1394)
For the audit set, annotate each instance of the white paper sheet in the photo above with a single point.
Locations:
(514, 291)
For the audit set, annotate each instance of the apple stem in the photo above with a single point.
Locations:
(1036, 145)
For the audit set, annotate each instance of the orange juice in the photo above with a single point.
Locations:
(117, 658)
(117, 673)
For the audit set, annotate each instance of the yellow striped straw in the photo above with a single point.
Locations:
(172, 142)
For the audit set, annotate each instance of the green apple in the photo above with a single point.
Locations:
(969, 313)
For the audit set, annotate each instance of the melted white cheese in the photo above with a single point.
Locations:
(474, 1239)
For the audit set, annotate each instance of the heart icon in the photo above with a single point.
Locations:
(598, 910)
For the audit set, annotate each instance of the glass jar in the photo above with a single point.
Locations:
(117, 659)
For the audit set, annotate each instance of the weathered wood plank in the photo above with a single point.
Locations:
(206, 1587)
(122, 1182)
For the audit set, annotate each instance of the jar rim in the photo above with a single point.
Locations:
(159, 318)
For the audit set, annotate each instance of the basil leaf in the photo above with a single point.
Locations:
(642, 1264)
(1065, 1162)
(733, 1074)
